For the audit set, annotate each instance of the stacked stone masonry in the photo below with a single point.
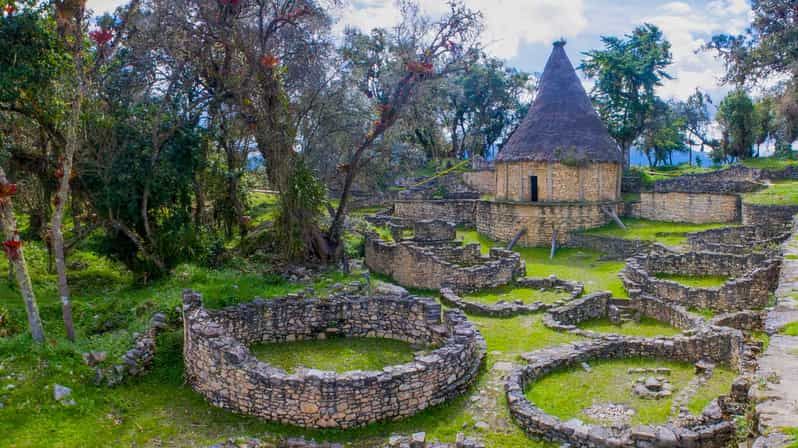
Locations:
(739, 239)
(752, 278)
(768, 215)
(220, 366)
(508, 309)
(697, 208)
(558, 182)
(611, 248)
(714, 428)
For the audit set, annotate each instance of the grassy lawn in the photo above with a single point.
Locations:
(695, 281)
(567, 264)
(778, 193)
(790, 329)
(511, 293)
(667, 233)
(772, 163)
(647, 327)
(335, 354)
(567, 393)
(263, 207)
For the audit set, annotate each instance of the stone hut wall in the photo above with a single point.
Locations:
(434, 230)
(698, 208)
(501, 221)
(756, 278)
(768, 215)
(220, 366)
(433, 266)
(483, 181)
(460, 212)
(558, 182)
(708, 431)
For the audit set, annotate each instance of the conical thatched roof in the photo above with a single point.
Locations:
(561, 125)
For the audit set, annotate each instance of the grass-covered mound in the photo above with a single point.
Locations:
(790, 329)
(778, 193)
(335, 354)
(567, 264)
(695, 281)
(567, 393)
(510, 293)
(647, 327)
(667, 233)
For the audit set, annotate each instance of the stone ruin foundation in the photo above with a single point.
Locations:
(432, 259)
(740, 239)
(715, 427)
(508, 309)
(220, 366)
(753, 277)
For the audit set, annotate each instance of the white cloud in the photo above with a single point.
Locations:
(508, 23)
(100, 7)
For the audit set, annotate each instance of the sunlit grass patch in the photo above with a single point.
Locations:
(667, 233)
(511, 293)
(336, 354)
(647, 327)
(695, 281)
(566, 393)
(790, 329)
(778, 193)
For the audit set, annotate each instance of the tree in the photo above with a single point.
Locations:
(764, 121)
(736, 119)
(626, 73)
(664, 134)
(695, 114)
(390, 67)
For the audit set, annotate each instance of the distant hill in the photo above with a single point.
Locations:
(639, 159)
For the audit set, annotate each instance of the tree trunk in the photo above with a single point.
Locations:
(20, 268)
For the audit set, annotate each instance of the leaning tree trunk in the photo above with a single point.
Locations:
(16, 259)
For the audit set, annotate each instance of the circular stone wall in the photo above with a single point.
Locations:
(714, 428)
(508, 309)
(220, 366)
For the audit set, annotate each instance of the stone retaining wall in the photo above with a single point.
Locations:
(739, 239)
(483, 181)
(460, 212)
(508, 309)
(697, 208)
(755, 277)
(712, 429)
(768, 215)
(612, 248)
(598, 305)
(220, 366)
(431, 266)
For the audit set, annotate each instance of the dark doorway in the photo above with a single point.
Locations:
(533, 188)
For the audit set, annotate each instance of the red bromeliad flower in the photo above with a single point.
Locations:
(269, 61)
(8, 190)
(420, 67)
(101, 36)
(10, 9)
(12, 247)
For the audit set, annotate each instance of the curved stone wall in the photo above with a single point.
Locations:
(739, 239)
(602, 304)
(508, 309)
(220, 366)
(754, 275)
(767, 215)
(712, 429)
(431, 266)
(611, 248)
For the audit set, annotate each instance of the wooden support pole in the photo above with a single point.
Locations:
(611, 213)
(553, 243)
(517, 237)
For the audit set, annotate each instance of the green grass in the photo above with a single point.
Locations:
(566, 393)
(667, 233)
(511, 293)
(567, 264)
(695, 281)
(772, 163)
(778, 193)
(647, 327)
(790, 329)
(335, 354)
(262, 207)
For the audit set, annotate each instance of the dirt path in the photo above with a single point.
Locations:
(777, 398)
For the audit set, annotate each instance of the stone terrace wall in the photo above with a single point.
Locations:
(708, 431)
(739, 239)
(460, 212)
(483, 181)
(768, 215)
(415, 265)
(597, 306)
(221, 367)
(612, 248)
(502, 220)
(756, 279)
(697, 208)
